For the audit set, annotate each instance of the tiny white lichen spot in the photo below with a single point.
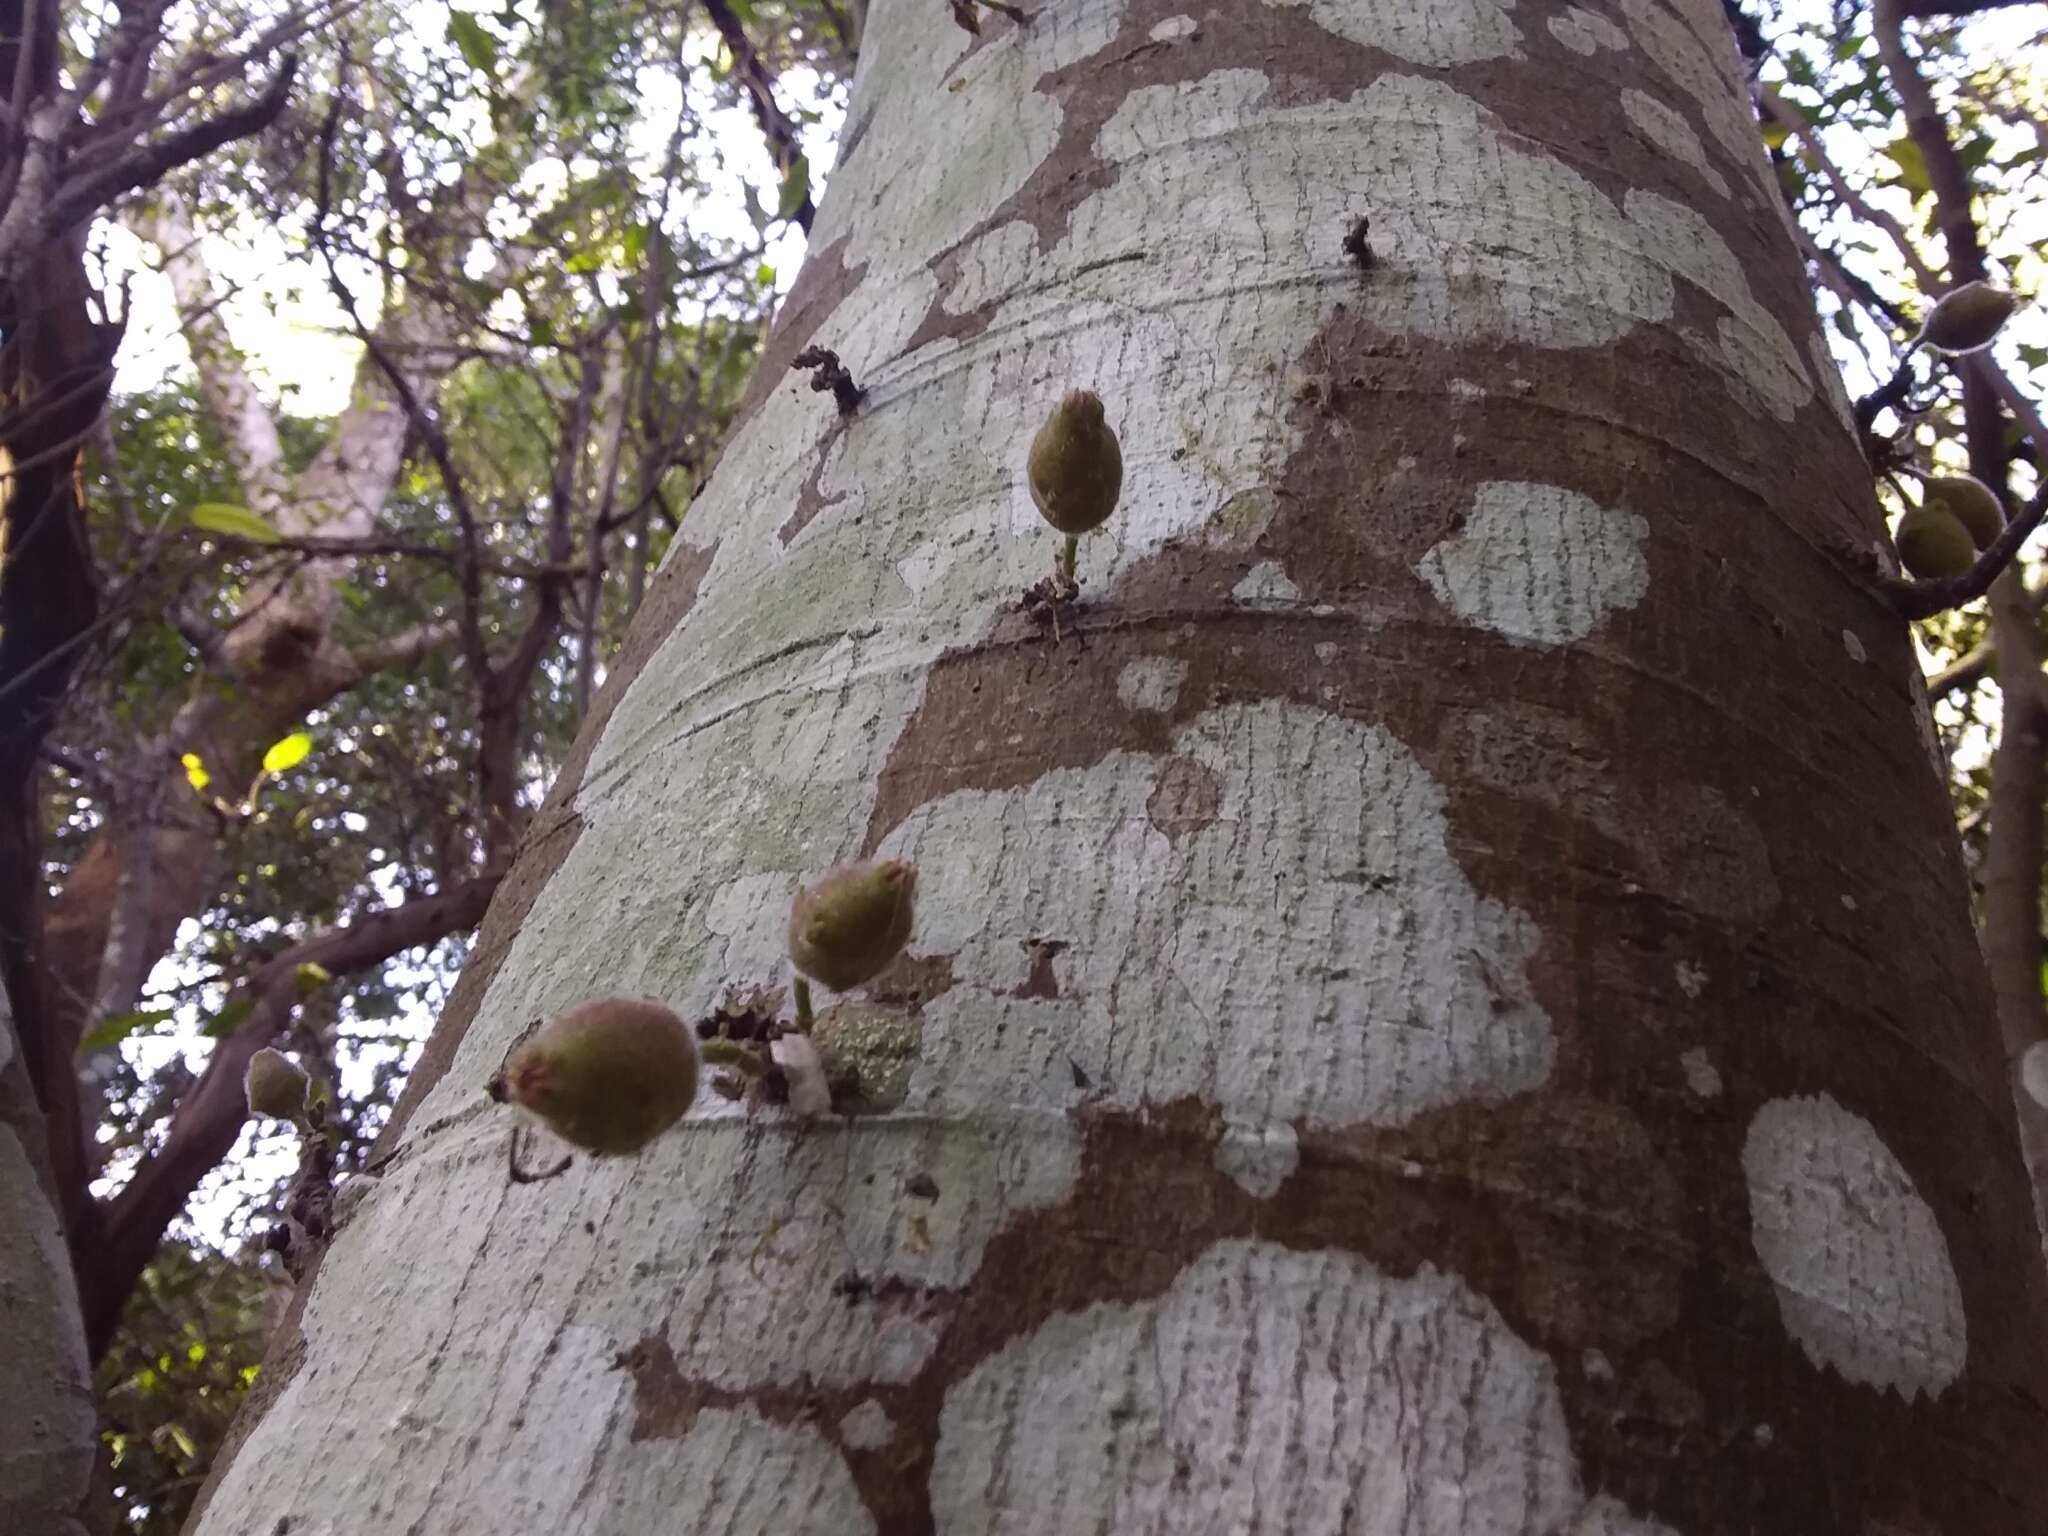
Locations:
(1266, 585)
(1853, 644)
(1692, 978)
(1860, 1266)
(1151, 683)
(1437, 35)
(1268, 1392)
(867, 1425)
(1257, 1155)
(1174, 28)
(1584, 32)
(1701, 1075)
(1539, 563)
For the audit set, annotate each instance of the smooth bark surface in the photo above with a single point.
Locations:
(49, 1430)
(1448, 1007)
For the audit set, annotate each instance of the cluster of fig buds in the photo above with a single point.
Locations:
(612, 1074)
(1957, 517)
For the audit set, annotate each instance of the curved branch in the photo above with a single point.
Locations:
(210, 1115)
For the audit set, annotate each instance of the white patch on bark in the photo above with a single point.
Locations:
(1672, 134)
(2034, 1072)
(1853, 644)
(867, 1425)
(1258, 1155)
(1266, 584)
(1711, 74)
(1151, 682)
(1701, 1075)
(1436, 36)
(1596, 1365)
(1748, 345)
(1859, 1263)
(1267, 1392)
(1539, 563)
(1692, 978)
(733, 1471)
(1322, 891)
(1586, 32)
(1174, 28)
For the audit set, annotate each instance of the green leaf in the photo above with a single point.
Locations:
(311, 976)
(288, 753)
(235, 522)
(112, 1032)
(796, 186)
(479, 49)
(1905, 154)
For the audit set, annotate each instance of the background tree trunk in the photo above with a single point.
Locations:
(1450, 1006)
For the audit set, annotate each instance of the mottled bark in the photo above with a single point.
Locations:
(1450, 1006)
(49, 1432)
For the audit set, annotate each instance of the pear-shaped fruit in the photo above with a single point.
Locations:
(1968, 317)
(1933, 543)
(1970, 501)
(852, 923)
(273, 1086)
(608, 1076)
(1075, 469)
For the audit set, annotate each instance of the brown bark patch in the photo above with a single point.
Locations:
(1041, 980)
(811, 501)
(911, 981)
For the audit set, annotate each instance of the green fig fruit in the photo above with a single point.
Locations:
(1970, 501)
(1967, 318)
(846, 928)
(273, 1086)
(1933, 543)
(609, 1075)
(1075, 469)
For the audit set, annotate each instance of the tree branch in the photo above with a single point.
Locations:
(210, 1115)
(240, 412)
(783, 144)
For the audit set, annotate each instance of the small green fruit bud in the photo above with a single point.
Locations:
(608, 1076)
(1075, 469)
(1933, 543)
(852, 923)
(274, 1086)
(1970, 501)
(1967, 318)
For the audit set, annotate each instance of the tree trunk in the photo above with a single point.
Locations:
(1448, 1005)
(49, 1431)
